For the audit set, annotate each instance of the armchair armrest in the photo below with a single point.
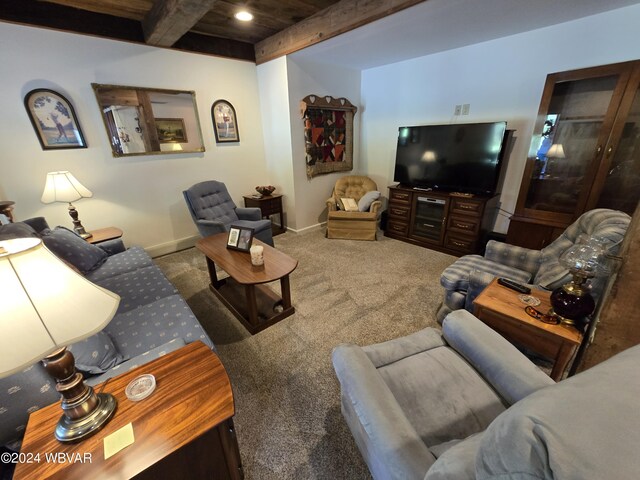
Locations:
(112, 246)
(210, 227)
(375, 207)
(512, 256)
(500, 363)
(392, 447)
(332, 206)
(249, 213)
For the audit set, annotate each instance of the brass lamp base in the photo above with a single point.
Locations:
(73, 430)
(84, 412)
(77, 224)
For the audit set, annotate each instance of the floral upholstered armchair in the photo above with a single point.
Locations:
(465, 278)
(360, 224)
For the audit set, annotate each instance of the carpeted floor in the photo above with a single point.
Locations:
(288, 418)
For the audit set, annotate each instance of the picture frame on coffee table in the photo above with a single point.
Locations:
(240, 238)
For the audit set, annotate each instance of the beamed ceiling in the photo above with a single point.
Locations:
(279, 27)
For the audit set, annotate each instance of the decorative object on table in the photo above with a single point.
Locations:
(328, 134)
(265, 190)
(529, 300)
(140, 387)
(6, 210)
(64, 187)
(225, 124)
(54, 120)
(257, 255)
(48, 306)
(240, 238)
(572, 302)
(171, 130)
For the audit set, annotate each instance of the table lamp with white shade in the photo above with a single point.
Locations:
(46, 306)
(64, 187)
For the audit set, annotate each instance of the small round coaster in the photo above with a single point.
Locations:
(529, 300)
(140, 387)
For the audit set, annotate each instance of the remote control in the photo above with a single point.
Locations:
(505, 282)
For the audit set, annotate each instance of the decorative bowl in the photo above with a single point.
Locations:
(265, 189)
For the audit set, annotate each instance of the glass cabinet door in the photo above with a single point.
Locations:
(576, 115)
(621, 184)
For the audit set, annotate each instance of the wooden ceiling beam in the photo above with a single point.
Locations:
(332, 21)
(168, 20)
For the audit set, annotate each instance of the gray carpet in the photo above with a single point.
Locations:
(288, 418)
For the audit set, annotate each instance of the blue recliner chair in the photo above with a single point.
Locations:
(213, 211)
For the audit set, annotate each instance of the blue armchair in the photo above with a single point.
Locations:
(469, 275)
(213, 211)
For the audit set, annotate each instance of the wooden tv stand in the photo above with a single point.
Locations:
(448, 222)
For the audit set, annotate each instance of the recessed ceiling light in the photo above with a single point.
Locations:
(244, 16)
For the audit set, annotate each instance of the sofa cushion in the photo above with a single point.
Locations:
(73, 249)
(456, 462)
(148, 326)
(142, 286)
(587, 426)
(127, 261)
(367, 199)
(135, 362)
(96, 354)
(16, 230)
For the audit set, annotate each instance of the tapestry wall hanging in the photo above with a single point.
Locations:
(328, 134)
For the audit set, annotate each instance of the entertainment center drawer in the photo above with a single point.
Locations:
(399, 211)
(466, 225)
(400, 197)
(460, 243)
(466, 206)
(398, 227)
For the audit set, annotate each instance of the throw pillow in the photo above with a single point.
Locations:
(72, 248)
(367, 199)
(96, 354)
(16, 230)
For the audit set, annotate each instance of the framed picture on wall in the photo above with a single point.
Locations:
(54, 120)
(225, 123)
(171, 130)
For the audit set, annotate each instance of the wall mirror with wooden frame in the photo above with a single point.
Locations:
(149, 121)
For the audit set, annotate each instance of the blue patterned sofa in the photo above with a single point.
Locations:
(152, 319)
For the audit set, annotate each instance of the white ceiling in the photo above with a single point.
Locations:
(439, 25)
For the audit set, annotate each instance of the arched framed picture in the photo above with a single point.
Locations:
(54, 120)
(225, 123)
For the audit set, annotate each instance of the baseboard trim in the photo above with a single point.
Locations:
(172, 246)
(306, 229)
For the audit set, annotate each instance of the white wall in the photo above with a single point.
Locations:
(501, 79)
(142, 194)
(306, 77)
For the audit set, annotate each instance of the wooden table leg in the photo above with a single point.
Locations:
(286, 292)
(215, 283)
(252, 304)
(562, 359)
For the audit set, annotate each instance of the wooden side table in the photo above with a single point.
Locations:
(500, 308)
(104, 234)
(183, 430)
(268, 205)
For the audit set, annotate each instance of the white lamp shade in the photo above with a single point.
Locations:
(556, 151)
(63, 187)
(46, 305)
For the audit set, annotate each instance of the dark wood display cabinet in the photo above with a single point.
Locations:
(448, 222)
(585, 153)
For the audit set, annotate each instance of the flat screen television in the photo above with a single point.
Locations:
(456, 158)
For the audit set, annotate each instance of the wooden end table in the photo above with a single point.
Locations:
(183, 430)
(268, 205)
(104, 234)
(500, 308)
(254, 304)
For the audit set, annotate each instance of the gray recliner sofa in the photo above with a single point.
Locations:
(465, 404)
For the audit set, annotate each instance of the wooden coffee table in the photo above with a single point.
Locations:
(500, 308)
(243, 293)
